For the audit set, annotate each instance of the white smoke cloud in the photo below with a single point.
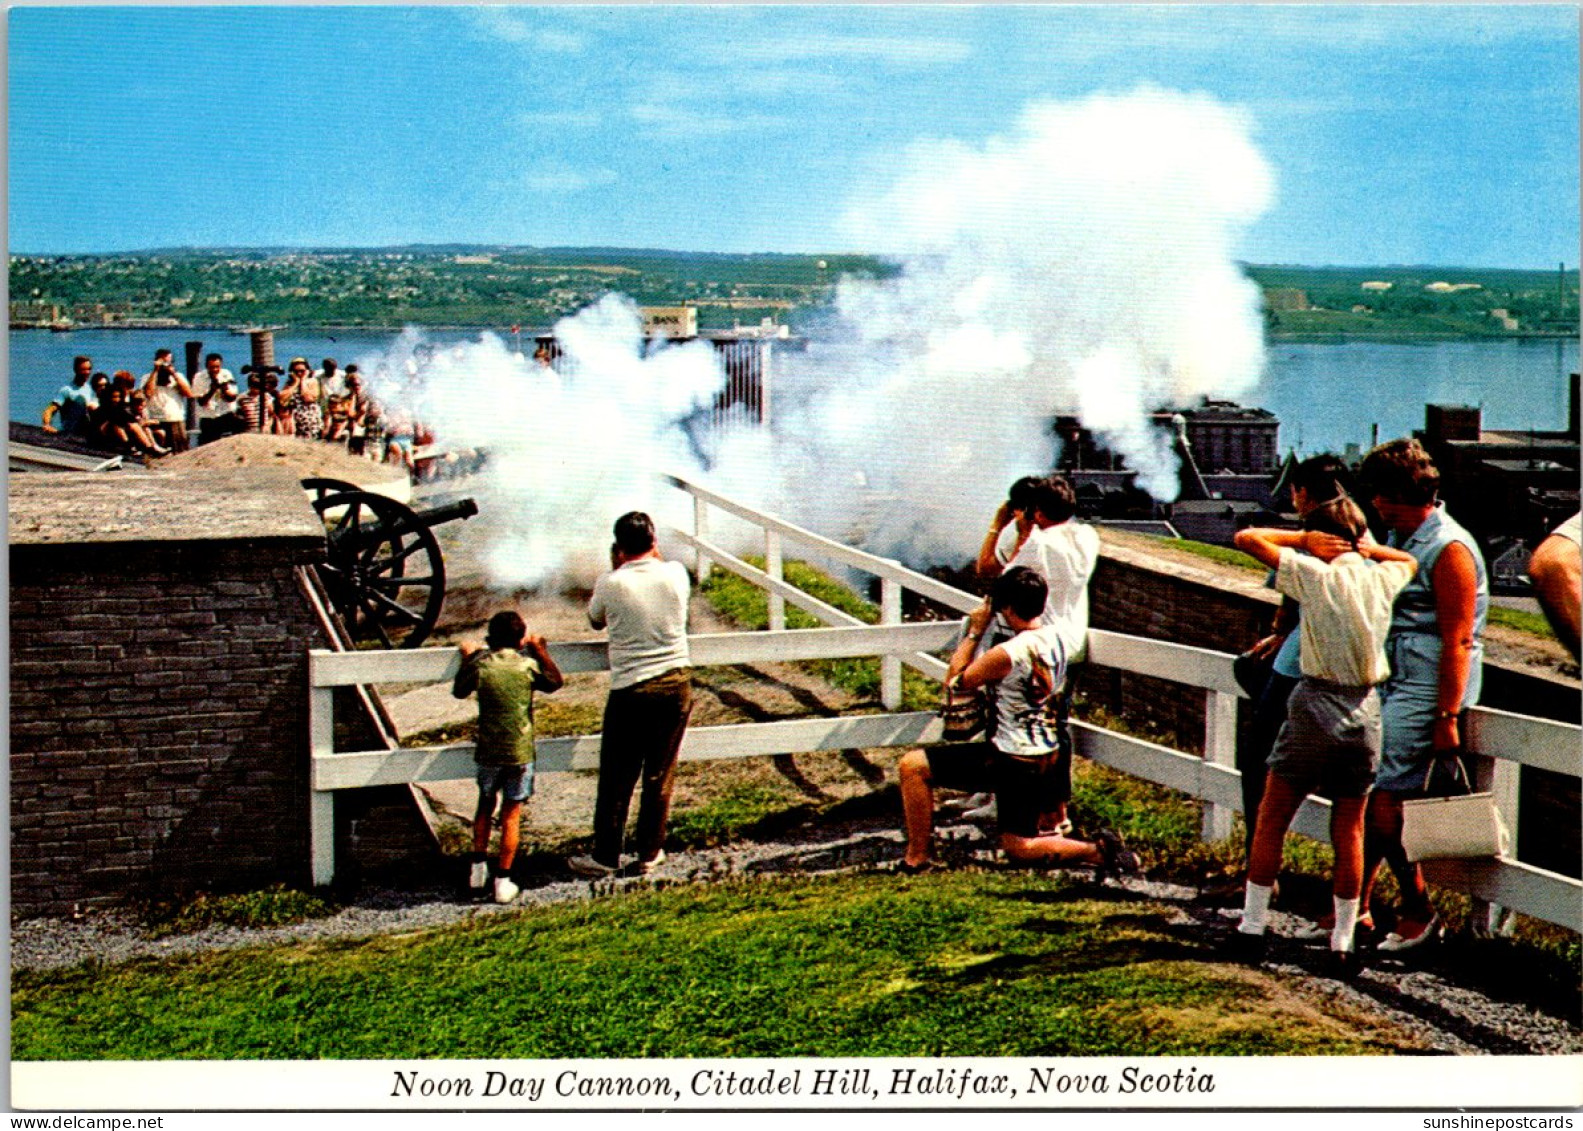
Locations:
(1082, 263)
(569, 448)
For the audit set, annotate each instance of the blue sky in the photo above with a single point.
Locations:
(1397, 134)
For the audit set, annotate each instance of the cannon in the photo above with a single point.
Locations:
(383, 569)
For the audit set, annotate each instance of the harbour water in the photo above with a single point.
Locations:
(1327, 395)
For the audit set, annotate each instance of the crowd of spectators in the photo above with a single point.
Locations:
(164, 411)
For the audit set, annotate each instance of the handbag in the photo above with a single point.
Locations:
(1252, 673)
(1460, 825)
(964, 714)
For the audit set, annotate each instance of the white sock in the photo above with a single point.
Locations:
(1346, 923)
(1255, 908)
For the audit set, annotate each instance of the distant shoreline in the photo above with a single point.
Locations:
(1404, 337)
(303, 328)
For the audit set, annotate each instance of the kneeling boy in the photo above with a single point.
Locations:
(1018, 761)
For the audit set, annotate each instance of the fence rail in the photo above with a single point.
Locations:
(1509, 740)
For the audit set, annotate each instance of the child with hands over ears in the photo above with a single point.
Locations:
(1330, 743)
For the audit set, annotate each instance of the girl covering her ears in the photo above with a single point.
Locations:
(1330, 743)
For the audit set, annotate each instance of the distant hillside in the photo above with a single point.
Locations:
(461, 285)
(489, 285)
(1406, 302)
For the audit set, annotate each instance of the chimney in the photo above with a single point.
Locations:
(263, 349)
(1444, 422)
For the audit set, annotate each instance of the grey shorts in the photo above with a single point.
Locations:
(515, 783)
(1330, 742)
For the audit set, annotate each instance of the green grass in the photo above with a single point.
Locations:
(748, 605)
(275, 906)
(967, 964)
(733, 813)
(1225, 555)
(1521, 620)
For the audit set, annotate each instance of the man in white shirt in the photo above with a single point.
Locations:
(1063, 552)
(643, 602)
(167, 394)
(331, 377)
(216, 393)
(1007, 530)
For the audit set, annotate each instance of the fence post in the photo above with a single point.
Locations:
(701, 531)
(774, 567)
(890, 666)
(1505, 779)
(1220, 749)
(321, 803)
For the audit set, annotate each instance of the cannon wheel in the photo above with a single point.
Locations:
(384, 570)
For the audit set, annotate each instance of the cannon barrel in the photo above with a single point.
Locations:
(370, 533)
(450, 512)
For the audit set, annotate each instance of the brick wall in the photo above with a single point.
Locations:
(158, 720)
(1145, 593)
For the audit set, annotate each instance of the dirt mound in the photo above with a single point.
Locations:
(311, 459)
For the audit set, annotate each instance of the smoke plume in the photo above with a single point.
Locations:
(570, 447)
(1082, 263)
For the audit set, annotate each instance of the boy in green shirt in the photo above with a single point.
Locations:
(505, 677)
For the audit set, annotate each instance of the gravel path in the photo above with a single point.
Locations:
(1445, 1017)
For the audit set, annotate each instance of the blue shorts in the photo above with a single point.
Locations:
(514, 782)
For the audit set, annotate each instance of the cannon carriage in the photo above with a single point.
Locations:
(383, 568)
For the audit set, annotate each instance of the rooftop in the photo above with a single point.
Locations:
(239, 504)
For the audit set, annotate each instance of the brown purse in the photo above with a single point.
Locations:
(965, 714)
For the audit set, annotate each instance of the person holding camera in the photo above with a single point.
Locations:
(217, 403)
(1020, 759)
(165, 394)
(643, 601)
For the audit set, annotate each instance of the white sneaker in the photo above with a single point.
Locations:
(505, 890)
(985, 812)
(645, 867)
(479, 876)
(588, 866)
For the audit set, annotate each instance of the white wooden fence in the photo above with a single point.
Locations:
(1511, 740)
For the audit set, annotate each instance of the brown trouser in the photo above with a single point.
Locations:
(642, 734)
